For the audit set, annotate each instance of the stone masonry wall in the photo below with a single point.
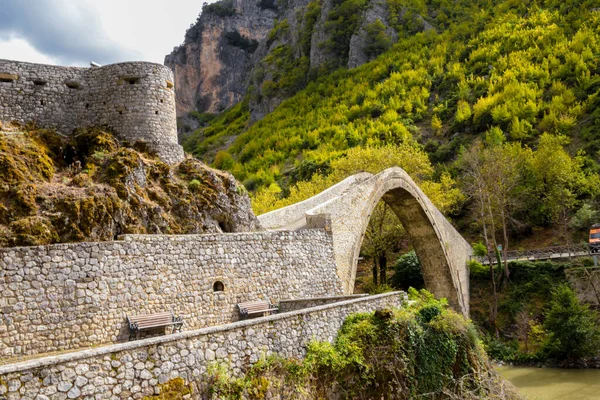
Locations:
(135, 369)
(69, 296)
(135, 99)
(300, 304)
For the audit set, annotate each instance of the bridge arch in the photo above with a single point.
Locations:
(345, 210)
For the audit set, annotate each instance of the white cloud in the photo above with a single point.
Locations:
(151, 28)
(19, 49)
(117, 30)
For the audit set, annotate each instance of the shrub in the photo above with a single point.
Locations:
(407, 272)
(223, 160)
(377, 39)
(478, 270)
(479, 250)
(584, 218)
(499, 350)
(235, 39)
(572, 327)
(224, 8)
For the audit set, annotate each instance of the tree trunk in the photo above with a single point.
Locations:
(505, 248)
(375, 269)
(494, 305)
(383, 268)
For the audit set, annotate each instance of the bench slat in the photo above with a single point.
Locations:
(168, 318)
(157, 322)
(150, 316)
(156, 326)
(262, 311)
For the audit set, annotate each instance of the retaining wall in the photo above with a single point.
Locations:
(135, 369)
(69, 296)
(135, 99)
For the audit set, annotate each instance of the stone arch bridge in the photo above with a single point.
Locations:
(345, 210)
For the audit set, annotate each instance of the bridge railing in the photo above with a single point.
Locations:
(546, 253)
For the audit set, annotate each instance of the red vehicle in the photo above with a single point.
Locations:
(595, 238)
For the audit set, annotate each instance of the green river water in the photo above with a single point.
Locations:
(553, 383)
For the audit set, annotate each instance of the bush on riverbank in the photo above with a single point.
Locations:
(424, 351)
(539, 316)
(572, 328)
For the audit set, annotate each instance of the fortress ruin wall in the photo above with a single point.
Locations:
(69, 296)
(134, 99)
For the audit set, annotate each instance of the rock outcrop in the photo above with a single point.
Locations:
(89, 188)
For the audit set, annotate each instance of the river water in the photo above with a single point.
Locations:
(554, 383)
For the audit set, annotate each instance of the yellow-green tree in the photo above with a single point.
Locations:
(560, 182)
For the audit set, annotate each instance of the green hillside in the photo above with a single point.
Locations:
(516, 71)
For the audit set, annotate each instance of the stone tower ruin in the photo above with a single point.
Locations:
(134, 99)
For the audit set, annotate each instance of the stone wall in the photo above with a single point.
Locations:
(69, 296)
(135, 99)
(294, 215)
(289, 305)
(134, 369)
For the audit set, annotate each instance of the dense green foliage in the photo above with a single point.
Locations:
(421, 351)
(342, 22)
(572, 327)
(225, 8)
(521, 69)
(539, 317)
(407, 272)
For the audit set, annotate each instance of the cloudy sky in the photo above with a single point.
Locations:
(75, 32)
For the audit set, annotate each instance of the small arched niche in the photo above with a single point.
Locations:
(218, 286)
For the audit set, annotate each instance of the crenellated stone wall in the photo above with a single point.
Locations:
(69, 296)
(135, 99)
(136, 369)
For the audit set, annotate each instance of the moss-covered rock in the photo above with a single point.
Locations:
(90, 188)
(175, 389)
(32, 231)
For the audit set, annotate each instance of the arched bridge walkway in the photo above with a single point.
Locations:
(346, 208)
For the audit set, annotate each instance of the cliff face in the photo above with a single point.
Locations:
(212, 65)
(270, 49)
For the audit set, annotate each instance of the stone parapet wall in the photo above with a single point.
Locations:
(69, 296)
(135, 99)
(289, 305)
(135, 369)
(293, 216)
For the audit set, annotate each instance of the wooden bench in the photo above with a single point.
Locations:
(256, 309)
(139, 323)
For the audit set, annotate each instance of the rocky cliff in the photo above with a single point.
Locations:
(213, 64)
(91, 188)
(270, 49)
